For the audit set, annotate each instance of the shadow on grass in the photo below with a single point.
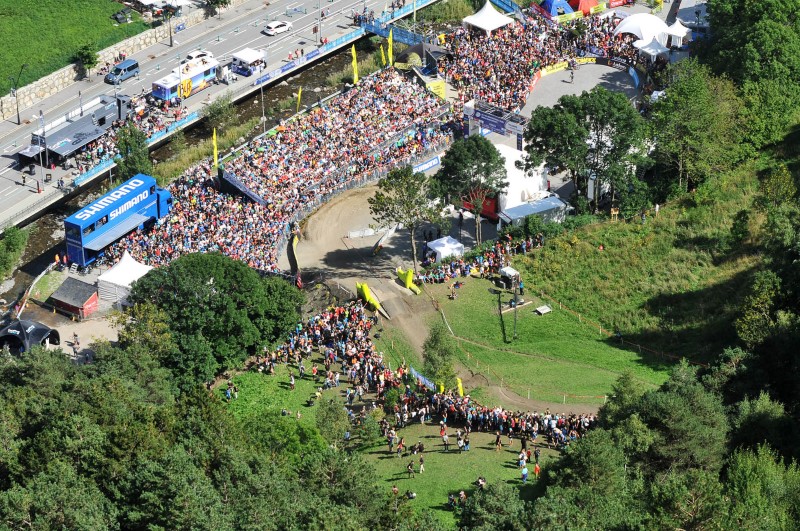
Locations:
(695, 324)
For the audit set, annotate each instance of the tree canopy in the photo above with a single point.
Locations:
(218, 311)
(472, 171)
(404, 197)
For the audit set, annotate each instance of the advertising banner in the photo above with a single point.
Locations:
(554, 68)
(597, 9)
(437, 87)
(493, 123)
(617, 3)
(586, 60)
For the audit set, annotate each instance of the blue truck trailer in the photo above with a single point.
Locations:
(136, 204)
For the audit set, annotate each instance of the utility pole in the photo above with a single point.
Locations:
(15, 90)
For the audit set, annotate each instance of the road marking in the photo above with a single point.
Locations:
(11, 192)
(4, 189)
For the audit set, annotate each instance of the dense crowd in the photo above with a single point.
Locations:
(342, 140)
(204, 219)
(500, 68)
(304, 161)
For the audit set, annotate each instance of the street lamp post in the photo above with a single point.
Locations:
(16, 90)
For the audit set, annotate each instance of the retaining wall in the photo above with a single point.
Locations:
(52, 84)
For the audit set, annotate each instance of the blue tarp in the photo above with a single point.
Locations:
(557, 7)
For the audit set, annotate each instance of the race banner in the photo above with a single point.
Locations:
(558, 67)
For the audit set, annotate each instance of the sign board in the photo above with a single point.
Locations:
(438, 88)
(493, 123)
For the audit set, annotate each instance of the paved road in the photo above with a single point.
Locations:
(237, 29)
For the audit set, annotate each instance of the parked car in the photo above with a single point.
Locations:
(122, 71)
(278, 26)
(197, 54)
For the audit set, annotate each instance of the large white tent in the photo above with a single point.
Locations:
(645, 26)
(521, 188)
(115, 284)
(447, 246)
(487, 19)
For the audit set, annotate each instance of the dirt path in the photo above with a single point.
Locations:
(325, 253)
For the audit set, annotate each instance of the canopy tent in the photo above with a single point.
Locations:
(583, 5)
(557, 7)
(677, 30)
(21, 335)
(645, 26)
(652, 48)
(447, 246)
(115, 284)
(248, 55)
(521, 188)
(487, 19)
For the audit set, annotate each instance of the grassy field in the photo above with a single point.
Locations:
(554, 355)
(672, 284)
(44, 34)
(451, 472)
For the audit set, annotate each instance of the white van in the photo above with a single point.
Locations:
(247, 62)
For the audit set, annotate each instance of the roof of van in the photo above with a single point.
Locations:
(126, 62)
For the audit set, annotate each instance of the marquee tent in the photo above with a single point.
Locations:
(447, 246)
(487, 19)
(22, 335)
(678, 32)
(652, 48)
(645, 26)
(583, 5)
(557, 7)
(115, 284)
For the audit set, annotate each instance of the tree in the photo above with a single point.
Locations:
(221, 112)
(763, 421)
(696, 124)
(134, 153)
(626, 395)
(215, 6)
(757, 320)
(752, 42)
(332, 421)
(403, 197)
(438, 354)
(219, 310)
(86, 57)
(777, 187)
(763, 492)
(597, 134)
(472, 171)
(496, 507)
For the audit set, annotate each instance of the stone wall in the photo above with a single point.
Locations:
(47, 86)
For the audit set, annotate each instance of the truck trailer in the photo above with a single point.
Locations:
(135, 204)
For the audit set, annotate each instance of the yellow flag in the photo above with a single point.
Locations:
(391, 48)
(355, 65)
(460, 387)
(383, 56)
(216, 153)
(299, 94)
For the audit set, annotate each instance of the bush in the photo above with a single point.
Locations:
(390, 399)
(11, 247)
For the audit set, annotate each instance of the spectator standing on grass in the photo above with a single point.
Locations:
(410, 469)
(291, 381)
(421, 464)
(498, 442)
(446, 442)
(536, 470)
(524, 475)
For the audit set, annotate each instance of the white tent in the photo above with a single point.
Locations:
(521, 188)
(115, 284)
(645, 26)
(652, 48)
(487, 19)
(677, 30)
(445, 247)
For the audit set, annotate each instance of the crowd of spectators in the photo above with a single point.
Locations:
(323, 151)
(341, 140)
(203, 219)
(500, 68)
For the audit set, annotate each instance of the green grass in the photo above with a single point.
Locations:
(45, 34)
(48, 284)
(554, 354)
(451, 472)
(260, 393)
(448, 11)
(672, 285)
